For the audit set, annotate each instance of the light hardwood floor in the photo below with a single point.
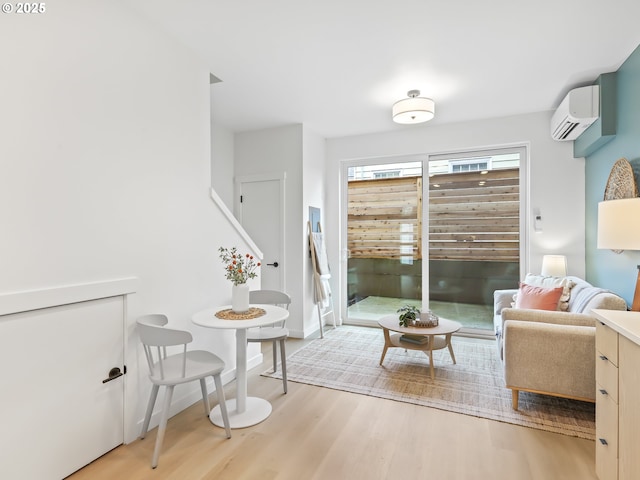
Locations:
(318, 433)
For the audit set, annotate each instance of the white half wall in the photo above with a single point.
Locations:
(556, 180)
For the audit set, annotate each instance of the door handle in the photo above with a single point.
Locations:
(274, 264)
(114, 373)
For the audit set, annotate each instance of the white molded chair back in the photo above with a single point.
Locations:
(171, 370)
(155, 341)
(271, 297)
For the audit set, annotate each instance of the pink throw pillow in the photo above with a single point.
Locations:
(538, 298)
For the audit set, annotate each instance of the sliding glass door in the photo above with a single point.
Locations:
(474, 233)
(468, 231)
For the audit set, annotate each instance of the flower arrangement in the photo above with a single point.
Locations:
(239, 268)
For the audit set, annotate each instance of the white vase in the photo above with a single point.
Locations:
(240, 297)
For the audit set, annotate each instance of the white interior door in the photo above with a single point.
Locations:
(57, 415)
(261, 214)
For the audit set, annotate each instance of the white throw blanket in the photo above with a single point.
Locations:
(322, 263)
(322, 290)
(585, 296)
(322, 274)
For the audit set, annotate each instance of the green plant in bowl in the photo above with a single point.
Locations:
(408, 315)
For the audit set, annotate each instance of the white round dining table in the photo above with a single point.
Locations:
(243, 410)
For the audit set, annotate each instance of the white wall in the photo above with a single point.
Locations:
(556, 180)
(276, 151)
(300, 154)
(313, 187)
(105, 159)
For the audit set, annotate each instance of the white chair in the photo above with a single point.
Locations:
(273, 333)
(175, 369)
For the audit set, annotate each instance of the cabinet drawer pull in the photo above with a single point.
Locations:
(603, 441)
(603, 391)
(602, 357)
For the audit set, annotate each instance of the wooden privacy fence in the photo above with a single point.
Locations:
(384, 218)
(472, 217)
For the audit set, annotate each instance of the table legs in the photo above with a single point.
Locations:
(243, 411)
(431, 369)
(241, 369)
(387, 343)
(428, 350)
(448, 340)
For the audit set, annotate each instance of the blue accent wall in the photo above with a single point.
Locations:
(616, 272)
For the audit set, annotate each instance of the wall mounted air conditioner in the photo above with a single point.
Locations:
(579, 109)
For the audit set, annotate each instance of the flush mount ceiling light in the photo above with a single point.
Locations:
(414, 109)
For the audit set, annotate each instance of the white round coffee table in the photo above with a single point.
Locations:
(436, 337)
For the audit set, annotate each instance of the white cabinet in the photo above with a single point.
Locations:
(618, 395)
(606, 402)
(629, 415)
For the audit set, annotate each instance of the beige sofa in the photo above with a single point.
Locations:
(551, 352)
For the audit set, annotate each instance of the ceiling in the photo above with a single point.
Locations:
(337, 66)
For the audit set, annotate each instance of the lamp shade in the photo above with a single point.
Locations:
(414, 109)
(554, 266)
(619, 224)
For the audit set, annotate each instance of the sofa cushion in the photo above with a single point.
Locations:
(538, 298)
(550, 282)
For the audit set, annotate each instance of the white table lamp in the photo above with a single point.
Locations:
(619, 230)
(554, 266)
